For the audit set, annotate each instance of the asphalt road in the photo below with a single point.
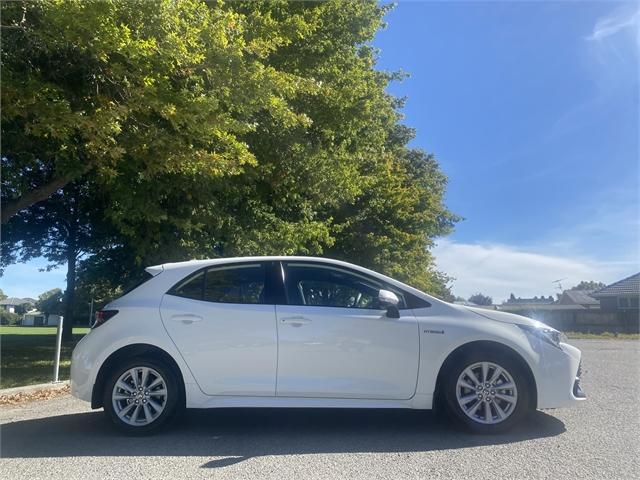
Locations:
(63, 438)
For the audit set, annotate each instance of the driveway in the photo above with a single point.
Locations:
(63, 438)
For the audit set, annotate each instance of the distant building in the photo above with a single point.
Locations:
(529, 301)
(578, 297)
(13, 304)
(621, 295)
(34, 318)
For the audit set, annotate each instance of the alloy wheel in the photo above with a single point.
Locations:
(486, 393)
(139, 396)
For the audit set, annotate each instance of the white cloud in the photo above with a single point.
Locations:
(499, 270)
(623, 18)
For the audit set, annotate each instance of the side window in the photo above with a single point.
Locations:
(235, 284)
(325, 286)
(190, 288)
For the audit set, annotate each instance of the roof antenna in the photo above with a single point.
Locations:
(559, 282)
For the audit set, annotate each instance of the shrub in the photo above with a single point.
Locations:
(9, 318)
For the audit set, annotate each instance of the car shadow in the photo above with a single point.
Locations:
(234, 435)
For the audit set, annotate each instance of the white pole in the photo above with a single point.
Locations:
(56, 360)
(91, 313)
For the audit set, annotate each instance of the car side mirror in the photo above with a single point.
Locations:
(390, 301)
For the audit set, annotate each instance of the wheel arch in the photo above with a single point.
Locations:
(480, 345)
(130, 351)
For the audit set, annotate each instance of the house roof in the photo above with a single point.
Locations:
(577, 297)
(626, 286)
(16, 301)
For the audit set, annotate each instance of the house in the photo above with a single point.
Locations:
(16, 305)
(512, 300)
(36, 318)
(623, 295)
(578, 298)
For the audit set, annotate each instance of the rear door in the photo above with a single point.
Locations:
(224, 328)
(335, 340)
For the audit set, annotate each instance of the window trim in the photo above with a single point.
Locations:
(265, 265)
(275, 283)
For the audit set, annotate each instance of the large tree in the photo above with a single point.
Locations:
(50, 302)
(588, 285)
(342, 184)
(162, 86)
(67, 226)
(273, 135)
(481, 299)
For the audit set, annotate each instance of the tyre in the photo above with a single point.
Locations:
(141, 396)
(487, 392)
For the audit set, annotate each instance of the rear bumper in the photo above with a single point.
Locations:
(559, 377)
(81, 369)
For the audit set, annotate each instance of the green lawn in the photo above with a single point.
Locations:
(26, 355)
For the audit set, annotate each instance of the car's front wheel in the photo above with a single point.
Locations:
(487, 392)
(141, 395)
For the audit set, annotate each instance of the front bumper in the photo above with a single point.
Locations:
(559, 377)
(577, 387)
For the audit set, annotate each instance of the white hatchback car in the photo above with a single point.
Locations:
(313, 332)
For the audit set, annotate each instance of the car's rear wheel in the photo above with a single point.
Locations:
(487, 392)
(141, 395)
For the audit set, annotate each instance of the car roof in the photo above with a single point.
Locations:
(215, 261)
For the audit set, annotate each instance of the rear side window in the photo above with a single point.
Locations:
(190, 288)
(229, 284)
(241, 284)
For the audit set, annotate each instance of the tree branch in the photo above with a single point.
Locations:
(11, 207)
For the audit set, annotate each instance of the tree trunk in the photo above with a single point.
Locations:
(69, 297)
(70, 292)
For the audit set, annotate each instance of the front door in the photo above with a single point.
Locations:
(224, 330)
(335, 341)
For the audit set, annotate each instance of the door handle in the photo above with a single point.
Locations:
(296, 321)
(186, 318)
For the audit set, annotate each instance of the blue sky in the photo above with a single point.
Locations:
(532, 110)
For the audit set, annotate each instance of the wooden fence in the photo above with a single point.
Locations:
(585, 321)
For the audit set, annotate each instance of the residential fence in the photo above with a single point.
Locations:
(585, 321)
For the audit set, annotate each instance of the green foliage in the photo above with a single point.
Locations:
(50, 302)
(589, 285)
(138, 87)
(2, 295)
(216, 129)
(9, 318)
(480, 299)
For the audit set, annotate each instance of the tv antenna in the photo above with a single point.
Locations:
(559, 282)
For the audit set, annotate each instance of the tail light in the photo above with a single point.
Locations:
(102, 316)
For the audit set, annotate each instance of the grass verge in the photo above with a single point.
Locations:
(26, 355)
(603, 336)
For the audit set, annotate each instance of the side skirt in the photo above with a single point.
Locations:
(198, 400)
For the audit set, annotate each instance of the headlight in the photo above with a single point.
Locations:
(545, 333)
